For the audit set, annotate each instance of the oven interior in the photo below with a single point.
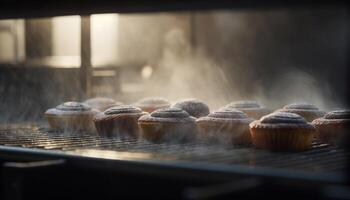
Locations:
(276, 56)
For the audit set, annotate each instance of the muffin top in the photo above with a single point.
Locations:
(308, 111)
(71, 107)
(119, 111)
(334, 117)
(102, 103)
(282, 117)
(152, 102)
(338, 114)
(281, 120)
(174, 115)
(194, 107)
(226, 115)
(245, 105)
(301, 106)
(115, 110)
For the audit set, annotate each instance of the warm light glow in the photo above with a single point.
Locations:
(146, 72)
(112, 154)
(104, 38)
(66, 36)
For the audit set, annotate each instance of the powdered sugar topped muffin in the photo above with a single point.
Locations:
(168, 125)
(282, 131)
(119, 121)
(333, 126)
(71, 116)
(226, 126)
(306, 110)
(194, 107)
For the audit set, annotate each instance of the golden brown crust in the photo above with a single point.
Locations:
(286, 139)
(194, 107)
(168, 132)
(71, 116)
(332, 127)
(119, 121)
(71, 122)
(236, 133)
(226, 126)
(282, 131)
(168, 125)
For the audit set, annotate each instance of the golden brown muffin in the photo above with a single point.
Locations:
(102, 103)
(152, 103)
(226, 126)
(252, 108)
(71, 116)
(306, 110)
(168, 125)
(333, 126)
(119, 121)
(194, 107)
(282, 131)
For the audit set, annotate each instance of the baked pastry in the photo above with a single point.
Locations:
(306, 110)
(282, 131)
(168, 125)
(194, 107)
(226, 126)
(71, 116)
(102, 103)
(119, 121)
(151, 104)
(333, 126)
(252, 108)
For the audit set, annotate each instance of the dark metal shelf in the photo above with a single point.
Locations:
(320, 159)
(47, 8)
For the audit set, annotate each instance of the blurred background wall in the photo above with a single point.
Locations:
(274, 56)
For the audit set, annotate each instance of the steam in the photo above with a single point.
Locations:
(294, 85)
(237, 56)
(232, 71)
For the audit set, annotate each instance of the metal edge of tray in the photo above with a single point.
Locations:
(167, 167)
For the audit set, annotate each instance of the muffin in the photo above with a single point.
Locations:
(333, 126)
(152, 103)
(194, 107)
(119, 121)
(71, 116)
(102, 103)
(252, 108)
(226, 126)
(168, 125)
(282, 131)
(306, 110)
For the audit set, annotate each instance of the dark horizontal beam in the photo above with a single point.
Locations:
(47, 8)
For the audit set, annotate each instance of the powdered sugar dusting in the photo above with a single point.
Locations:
(194, 107)
(301, 106)
(122, 109)
(244, 104)
(282, 117)
(338, 114)
(73, 106)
